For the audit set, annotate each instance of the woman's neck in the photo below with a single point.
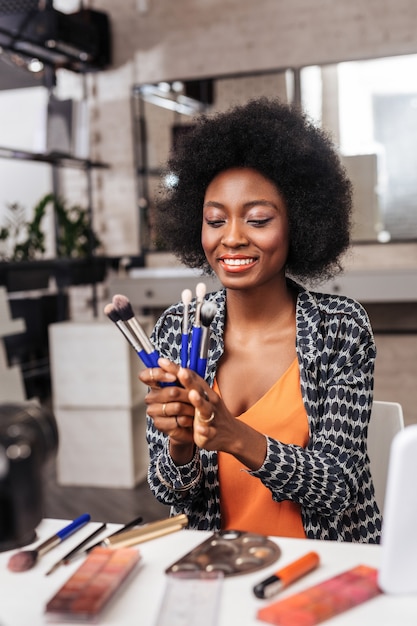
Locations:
(259, 306)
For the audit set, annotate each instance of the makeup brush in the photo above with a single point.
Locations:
(125, 310)
(24, 560)
(186, 297)
(128, 526)
(208, 311)
(66, 559)
(196, 332)
(114, 316)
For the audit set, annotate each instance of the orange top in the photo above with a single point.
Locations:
(245, 503)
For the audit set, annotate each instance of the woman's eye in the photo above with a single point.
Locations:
(259, 222)
(214, 223)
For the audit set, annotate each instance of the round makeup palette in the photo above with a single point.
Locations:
(232, 552)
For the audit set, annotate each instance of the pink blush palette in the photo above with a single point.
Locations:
(86, 593)
(324, 600)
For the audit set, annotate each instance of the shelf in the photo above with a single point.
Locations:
(59, 159)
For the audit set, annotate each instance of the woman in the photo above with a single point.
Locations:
(274, 439)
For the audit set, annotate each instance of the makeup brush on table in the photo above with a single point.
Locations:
(132, 524)
(26, 559)
(196, 331)
(66, 559)
(208, 311)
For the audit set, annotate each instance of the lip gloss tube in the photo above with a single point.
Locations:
(285, 576)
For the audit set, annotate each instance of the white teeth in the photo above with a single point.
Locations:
(238, 261)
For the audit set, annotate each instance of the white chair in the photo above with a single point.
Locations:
(386, 421)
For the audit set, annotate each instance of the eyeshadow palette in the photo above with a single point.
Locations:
(86, 593)
(231, 552)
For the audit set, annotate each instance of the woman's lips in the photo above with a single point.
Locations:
(237, 264)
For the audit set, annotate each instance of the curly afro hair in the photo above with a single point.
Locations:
(279, 142)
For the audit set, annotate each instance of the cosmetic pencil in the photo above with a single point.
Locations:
(128, 526)
(196, 330)
(66, 559)
(186, 297)
(285, 576)
(125, 311)
(208, 311)
(26, 559)
(153, 530)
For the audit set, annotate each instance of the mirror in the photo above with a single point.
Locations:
(369, 107)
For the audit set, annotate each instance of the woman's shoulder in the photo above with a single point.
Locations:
(330, 304)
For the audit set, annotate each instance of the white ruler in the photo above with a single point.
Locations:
(191, 599)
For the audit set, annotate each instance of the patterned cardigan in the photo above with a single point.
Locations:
(330, 478)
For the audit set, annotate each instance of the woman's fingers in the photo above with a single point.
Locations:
(153, 376)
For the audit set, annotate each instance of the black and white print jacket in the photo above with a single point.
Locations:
(330, 478)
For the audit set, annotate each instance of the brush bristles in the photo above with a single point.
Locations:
(111, 313)
(123, 307)
(208, 311)
(200, 291)
(22, 561)
(186, 296)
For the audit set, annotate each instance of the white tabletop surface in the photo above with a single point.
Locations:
(23, 596)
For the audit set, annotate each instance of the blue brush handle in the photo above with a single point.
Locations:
(151, 360)
(144, 356)
(201, 367)
(184, 350)
(195, 347)
(75, 525)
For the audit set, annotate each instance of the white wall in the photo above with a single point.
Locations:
(23, 123)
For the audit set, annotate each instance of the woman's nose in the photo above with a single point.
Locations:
(234, 235)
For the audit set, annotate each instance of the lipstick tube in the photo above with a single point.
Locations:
(285, 576)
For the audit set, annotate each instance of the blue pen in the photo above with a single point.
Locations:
(24, 560)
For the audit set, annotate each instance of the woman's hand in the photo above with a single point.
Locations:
(215, 428)
(170, 410)
(195, 414)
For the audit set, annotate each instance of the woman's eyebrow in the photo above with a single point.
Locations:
(247, 205)
(211, 203)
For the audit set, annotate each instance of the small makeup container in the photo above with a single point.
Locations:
(231, 552)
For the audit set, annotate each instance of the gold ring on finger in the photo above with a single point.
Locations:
(164, 413)
(210, 419)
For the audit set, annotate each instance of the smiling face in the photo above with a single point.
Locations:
(245, 229)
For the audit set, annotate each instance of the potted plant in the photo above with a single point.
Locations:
(22, 247)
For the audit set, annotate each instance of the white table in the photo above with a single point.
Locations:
(23, 596)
